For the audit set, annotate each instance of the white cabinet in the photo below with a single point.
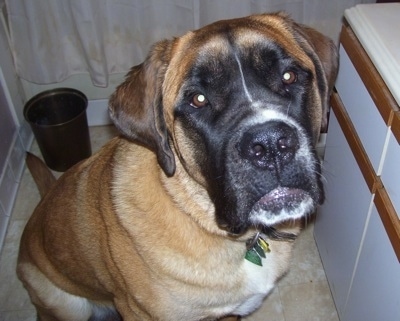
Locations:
(341, 221)
(357, 229)
(375, 282)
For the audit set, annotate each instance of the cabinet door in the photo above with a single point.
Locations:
(341, 220)
(366, 118)
(375, 294)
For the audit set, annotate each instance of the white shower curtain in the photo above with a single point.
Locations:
(54, 39)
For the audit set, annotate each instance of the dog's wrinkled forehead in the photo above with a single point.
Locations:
(220, 40)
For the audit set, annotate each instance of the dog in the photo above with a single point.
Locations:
(190, 214)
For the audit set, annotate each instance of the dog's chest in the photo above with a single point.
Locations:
(258, 281)
(238, 293)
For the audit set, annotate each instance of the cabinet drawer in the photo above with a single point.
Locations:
(368, 122)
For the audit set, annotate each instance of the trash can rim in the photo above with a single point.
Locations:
(53, 92)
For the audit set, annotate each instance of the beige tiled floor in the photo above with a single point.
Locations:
(302, 295)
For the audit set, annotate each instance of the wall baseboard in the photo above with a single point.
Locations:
(97, 113)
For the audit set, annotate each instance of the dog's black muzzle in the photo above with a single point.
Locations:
(270, 168)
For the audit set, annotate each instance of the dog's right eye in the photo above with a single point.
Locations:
(289, 77)
(199, 101)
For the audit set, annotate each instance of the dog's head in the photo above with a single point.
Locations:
(240, 104)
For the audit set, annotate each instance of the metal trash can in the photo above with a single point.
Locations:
(59, 122)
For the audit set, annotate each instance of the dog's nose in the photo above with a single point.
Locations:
(269, 146)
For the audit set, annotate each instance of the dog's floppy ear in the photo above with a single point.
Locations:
(136, 106)
(328, 56)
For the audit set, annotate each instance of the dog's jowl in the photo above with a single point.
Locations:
(191, 213)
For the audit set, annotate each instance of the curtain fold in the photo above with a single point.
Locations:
(54, 39)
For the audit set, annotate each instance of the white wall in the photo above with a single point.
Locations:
(15, 133)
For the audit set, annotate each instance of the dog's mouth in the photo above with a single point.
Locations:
(280, 204)
(280, 198)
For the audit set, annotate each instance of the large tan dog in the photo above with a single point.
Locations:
(216, 163)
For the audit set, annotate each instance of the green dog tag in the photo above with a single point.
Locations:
(259, 250)
(253, 257)
(256, 250)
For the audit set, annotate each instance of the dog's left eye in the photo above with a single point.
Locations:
(199, 101)
(289, 77)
